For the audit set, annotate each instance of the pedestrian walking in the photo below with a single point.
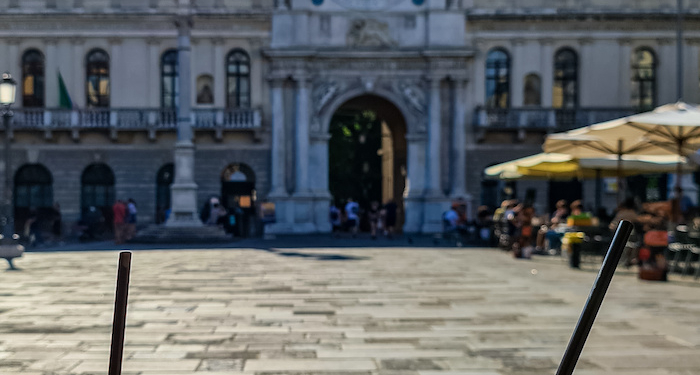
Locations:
(119, 215)
(131, 213)
(352, 210)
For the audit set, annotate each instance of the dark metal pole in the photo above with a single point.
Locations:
(679, 50)
(595, 299)
(119, 324)
(9, 228)
(598, 188)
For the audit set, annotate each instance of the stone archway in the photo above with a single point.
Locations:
(367, 153)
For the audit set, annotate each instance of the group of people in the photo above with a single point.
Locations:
(518, 228)
(233, 219)
(124, 214)
(381, 219)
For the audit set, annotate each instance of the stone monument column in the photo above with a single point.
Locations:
(184, 189)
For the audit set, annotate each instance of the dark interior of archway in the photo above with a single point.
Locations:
(367, 154)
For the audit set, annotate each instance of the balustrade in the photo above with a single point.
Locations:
(132, 118)
(548, 119)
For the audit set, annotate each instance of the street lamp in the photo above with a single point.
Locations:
(8, 87)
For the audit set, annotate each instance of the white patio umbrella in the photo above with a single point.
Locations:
(672, 129)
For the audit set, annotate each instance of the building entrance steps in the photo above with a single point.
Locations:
(175, 235)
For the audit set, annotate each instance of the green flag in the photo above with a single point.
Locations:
(63, 96)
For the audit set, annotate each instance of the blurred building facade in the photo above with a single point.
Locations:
(460, 84)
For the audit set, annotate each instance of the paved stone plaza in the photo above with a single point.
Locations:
(349, 311)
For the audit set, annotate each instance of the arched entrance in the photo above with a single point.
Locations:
(33, 196)
(367, 154)
(238, 196)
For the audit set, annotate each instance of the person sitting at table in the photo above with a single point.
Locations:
(547, 231)
(522, 245)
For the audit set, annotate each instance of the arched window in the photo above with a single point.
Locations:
(532, 90)
(33, 79)
(97, 190)
(565, 90)
(97, 80)
(164, 179)
(237, 79)
(644, 79)
(33, 194)
(498, 79)
(169, 82)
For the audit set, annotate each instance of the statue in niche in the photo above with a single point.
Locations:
(369, 33)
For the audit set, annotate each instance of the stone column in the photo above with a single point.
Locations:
(625, 68)
(51, 74)
(184, 188)
(301, 137)
(547, 69)
(319, 178)
(459, 152)
(78, 85)
(434, 137)
(277, 147)
(415, 183)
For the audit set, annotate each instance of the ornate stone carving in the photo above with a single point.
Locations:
(369, 33)
(323, 92)
(413, 93)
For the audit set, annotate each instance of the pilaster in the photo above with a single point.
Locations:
(547, 69)
(459, 152)
(51, 72)
(433, 159)
(154, 64)
(78, 85)
(278, 187)
(301, 136)
(624, 85)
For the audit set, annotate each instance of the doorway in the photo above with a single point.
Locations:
(367, 155)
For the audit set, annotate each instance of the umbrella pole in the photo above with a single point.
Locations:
(619, 171)
(598, 190)
(679, 188)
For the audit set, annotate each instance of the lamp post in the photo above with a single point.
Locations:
(8, 87)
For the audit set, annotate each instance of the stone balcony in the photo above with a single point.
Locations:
(114, 120)
(544, 119)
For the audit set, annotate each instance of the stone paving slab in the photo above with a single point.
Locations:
(370, 311)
